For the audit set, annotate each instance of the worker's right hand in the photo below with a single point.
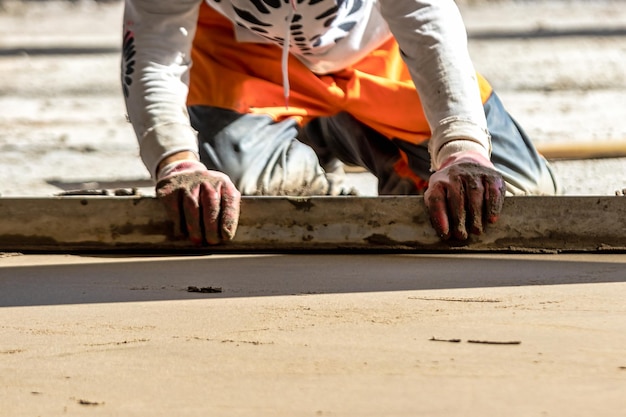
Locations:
(203, 204)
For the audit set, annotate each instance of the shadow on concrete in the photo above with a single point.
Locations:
(545, 33)
(59, 51)
(153, 279)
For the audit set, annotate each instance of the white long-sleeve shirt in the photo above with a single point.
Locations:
(326, 35)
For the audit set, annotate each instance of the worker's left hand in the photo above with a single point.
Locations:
(464, 193)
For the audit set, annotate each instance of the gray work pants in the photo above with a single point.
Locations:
(267, 158)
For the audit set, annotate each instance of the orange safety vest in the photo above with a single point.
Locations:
(247, 78)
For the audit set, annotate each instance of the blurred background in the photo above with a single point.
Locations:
(558, 65)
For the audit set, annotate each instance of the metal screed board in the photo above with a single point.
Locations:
(282, 224)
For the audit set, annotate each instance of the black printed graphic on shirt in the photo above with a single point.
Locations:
(128, 61)
(315, 25)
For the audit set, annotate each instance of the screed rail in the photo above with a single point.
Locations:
(283, 224)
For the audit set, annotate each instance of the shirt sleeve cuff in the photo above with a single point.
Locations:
(455, 135)
(164, 140)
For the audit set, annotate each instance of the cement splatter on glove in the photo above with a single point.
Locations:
(465, 192)
(203, 204)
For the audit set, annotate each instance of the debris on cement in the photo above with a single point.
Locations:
(210, 290)
(484, 342)
(435, 339)
(118, 192)
(89, 403)
(496, 342)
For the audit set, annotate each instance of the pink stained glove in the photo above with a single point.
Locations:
(203, 204)
(466, 191)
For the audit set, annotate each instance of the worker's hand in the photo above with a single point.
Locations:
(203, 204)
(464, 193)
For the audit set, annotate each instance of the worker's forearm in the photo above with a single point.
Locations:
(432, 37)
(156, 57)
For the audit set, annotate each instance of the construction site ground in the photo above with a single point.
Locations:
(309, 334)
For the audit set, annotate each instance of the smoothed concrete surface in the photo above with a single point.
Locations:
(313, 335)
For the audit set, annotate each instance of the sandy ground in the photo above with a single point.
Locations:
(316, 335)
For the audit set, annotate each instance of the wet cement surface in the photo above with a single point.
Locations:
(310, 335)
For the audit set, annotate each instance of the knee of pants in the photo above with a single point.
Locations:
(291, 169)
(545, 183)
(514, 155)
(260, 156)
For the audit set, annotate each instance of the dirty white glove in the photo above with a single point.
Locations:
(203, 204)
(465, 192)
